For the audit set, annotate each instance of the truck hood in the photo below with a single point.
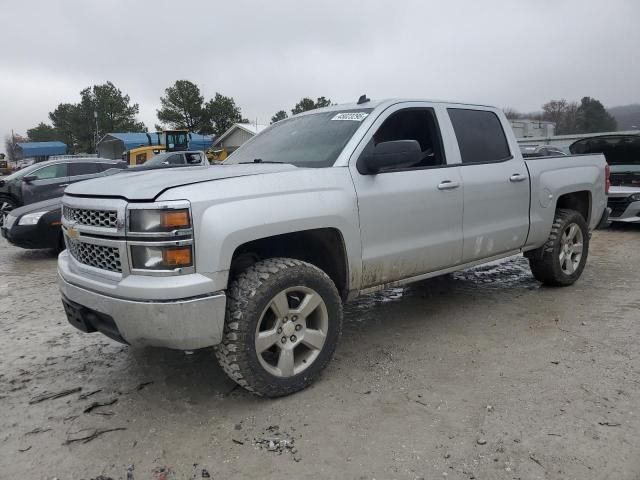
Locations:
(149, 184)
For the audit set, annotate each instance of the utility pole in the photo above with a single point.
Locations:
(13, 149)
(95, 143)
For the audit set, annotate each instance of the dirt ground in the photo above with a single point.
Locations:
(482, 374)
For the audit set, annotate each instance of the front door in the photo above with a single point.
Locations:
(50, 182)
(496, 186)
(410, 218)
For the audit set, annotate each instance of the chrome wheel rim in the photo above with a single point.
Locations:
(291, 331)
(5, 208)
(571, 245)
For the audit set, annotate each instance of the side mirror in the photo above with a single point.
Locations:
(394, 154)
(29, 178)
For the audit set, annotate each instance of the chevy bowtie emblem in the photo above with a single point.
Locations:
(72, 232)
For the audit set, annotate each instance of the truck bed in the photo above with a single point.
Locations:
(552, 177)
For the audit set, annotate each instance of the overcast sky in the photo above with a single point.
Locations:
(269, 54)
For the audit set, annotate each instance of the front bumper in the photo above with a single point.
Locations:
(33, 236)
(183, 324)
(624, 210)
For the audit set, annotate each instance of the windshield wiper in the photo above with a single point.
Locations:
(258, 160)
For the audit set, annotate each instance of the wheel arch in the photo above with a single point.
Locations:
(579, 201)
(11, 197)
(323, 247)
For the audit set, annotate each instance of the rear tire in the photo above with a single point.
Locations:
(561, 260)
(283, 322)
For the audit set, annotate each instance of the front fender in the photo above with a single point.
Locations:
(239, 210)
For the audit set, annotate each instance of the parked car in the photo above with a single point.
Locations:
(190, 158)
(256, 255)
(622, 153)
(45, 180)
(530, 151)
(36, 225)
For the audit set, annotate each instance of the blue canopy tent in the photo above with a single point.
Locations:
(40, 150)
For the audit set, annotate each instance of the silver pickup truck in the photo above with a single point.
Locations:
(256, 256)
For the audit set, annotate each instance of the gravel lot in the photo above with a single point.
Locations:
(481, 374)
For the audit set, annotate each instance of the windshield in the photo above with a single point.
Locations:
(313, 140)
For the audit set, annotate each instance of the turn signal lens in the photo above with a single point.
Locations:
(175, 219)
(177, 257)
(160, 257)
(157, 220)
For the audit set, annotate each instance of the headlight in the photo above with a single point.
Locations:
(635, 197)
(161, 257)
(143, 221)
(31, 218)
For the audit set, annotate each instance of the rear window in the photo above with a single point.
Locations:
(480, 136)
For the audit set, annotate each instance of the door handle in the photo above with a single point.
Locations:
(63, 185)
(448, 185)
(517, 177)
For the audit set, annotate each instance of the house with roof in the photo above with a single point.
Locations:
(236, 136)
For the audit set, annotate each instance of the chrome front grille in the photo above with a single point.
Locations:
(93, 218)
(97, 256)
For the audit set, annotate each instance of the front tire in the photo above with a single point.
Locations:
(283, 322)
(561, 260)
(6, 205)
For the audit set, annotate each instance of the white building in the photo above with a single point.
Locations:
(525, 128)
(236, 136)
(564, 141)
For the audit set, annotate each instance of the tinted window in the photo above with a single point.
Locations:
(313, 140)
(51, 171)
(412, 124)
(88, 168)
(480, 136)
(193, 158)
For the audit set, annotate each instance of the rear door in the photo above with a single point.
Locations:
(79, 171)
(496, 185)
(50, 183)
(410, 218)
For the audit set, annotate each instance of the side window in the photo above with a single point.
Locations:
(480, 136)
(175, 160)
(413, 124)
(141, 158)
(193, 158)
(88, 168)
(51, 171)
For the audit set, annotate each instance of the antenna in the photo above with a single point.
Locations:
(363, 99)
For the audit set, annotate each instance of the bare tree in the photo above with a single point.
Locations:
(11, 147)
(512, 113)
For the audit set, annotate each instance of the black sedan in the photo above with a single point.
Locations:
(35, 226)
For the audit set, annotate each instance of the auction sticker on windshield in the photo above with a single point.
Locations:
(353, 116)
